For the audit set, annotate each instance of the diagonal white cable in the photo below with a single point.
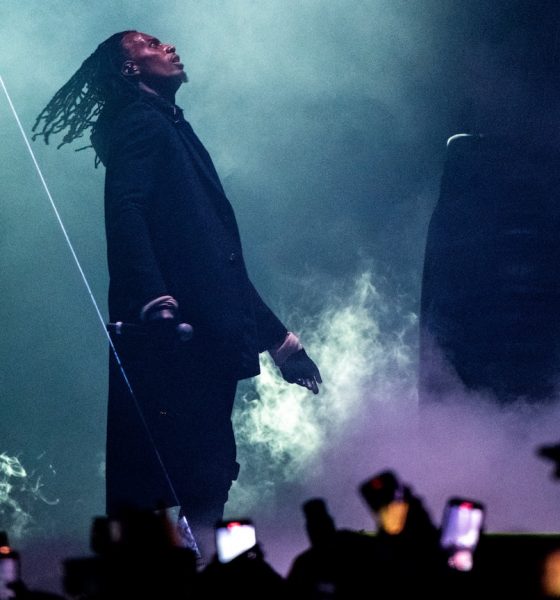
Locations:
(88, 287)
(46, 188)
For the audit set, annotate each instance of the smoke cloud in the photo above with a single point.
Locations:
(19, 491)
(367, 419)
(327, 121)
(282, 431)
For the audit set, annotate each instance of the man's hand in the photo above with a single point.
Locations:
(161, 326)
(299, 368)
(160, 319)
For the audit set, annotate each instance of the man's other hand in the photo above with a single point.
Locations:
(299, 368)
(161, 320)
(161, 326)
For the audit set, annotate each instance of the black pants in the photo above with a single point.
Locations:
(171, 442)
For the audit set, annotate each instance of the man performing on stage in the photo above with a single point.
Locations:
(174, 256)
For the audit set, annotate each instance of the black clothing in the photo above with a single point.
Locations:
(171, 231)
(248, 576)
(341, 567)
(187, 408)
(490, 284)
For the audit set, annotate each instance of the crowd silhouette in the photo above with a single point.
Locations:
(140, 555)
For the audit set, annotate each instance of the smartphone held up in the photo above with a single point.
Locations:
(461, 527)
(233, 538)
(388, 499)
(10, 568)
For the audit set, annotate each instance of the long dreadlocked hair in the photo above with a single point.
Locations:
(97, 84)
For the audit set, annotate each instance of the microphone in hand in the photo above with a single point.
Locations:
(183, 332)
(161, 326)
(159, 322)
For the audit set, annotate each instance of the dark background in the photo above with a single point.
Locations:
(327, 121)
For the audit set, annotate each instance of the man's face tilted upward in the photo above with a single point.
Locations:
(155, 64)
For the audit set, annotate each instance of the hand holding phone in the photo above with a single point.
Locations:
(462, 524)
(9, 573)
(233, 538)
(389, 500)
(10, 568)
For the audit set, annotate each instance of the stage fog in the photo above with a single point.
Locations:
(328, 124)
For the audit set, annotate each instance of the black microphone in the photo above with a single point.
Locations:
(184, 331)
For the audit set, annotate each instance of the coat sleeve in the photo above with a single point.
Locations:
(133, 167)
(271, 330)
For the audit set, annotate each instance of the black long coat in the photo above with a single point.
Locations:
(172, 231)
